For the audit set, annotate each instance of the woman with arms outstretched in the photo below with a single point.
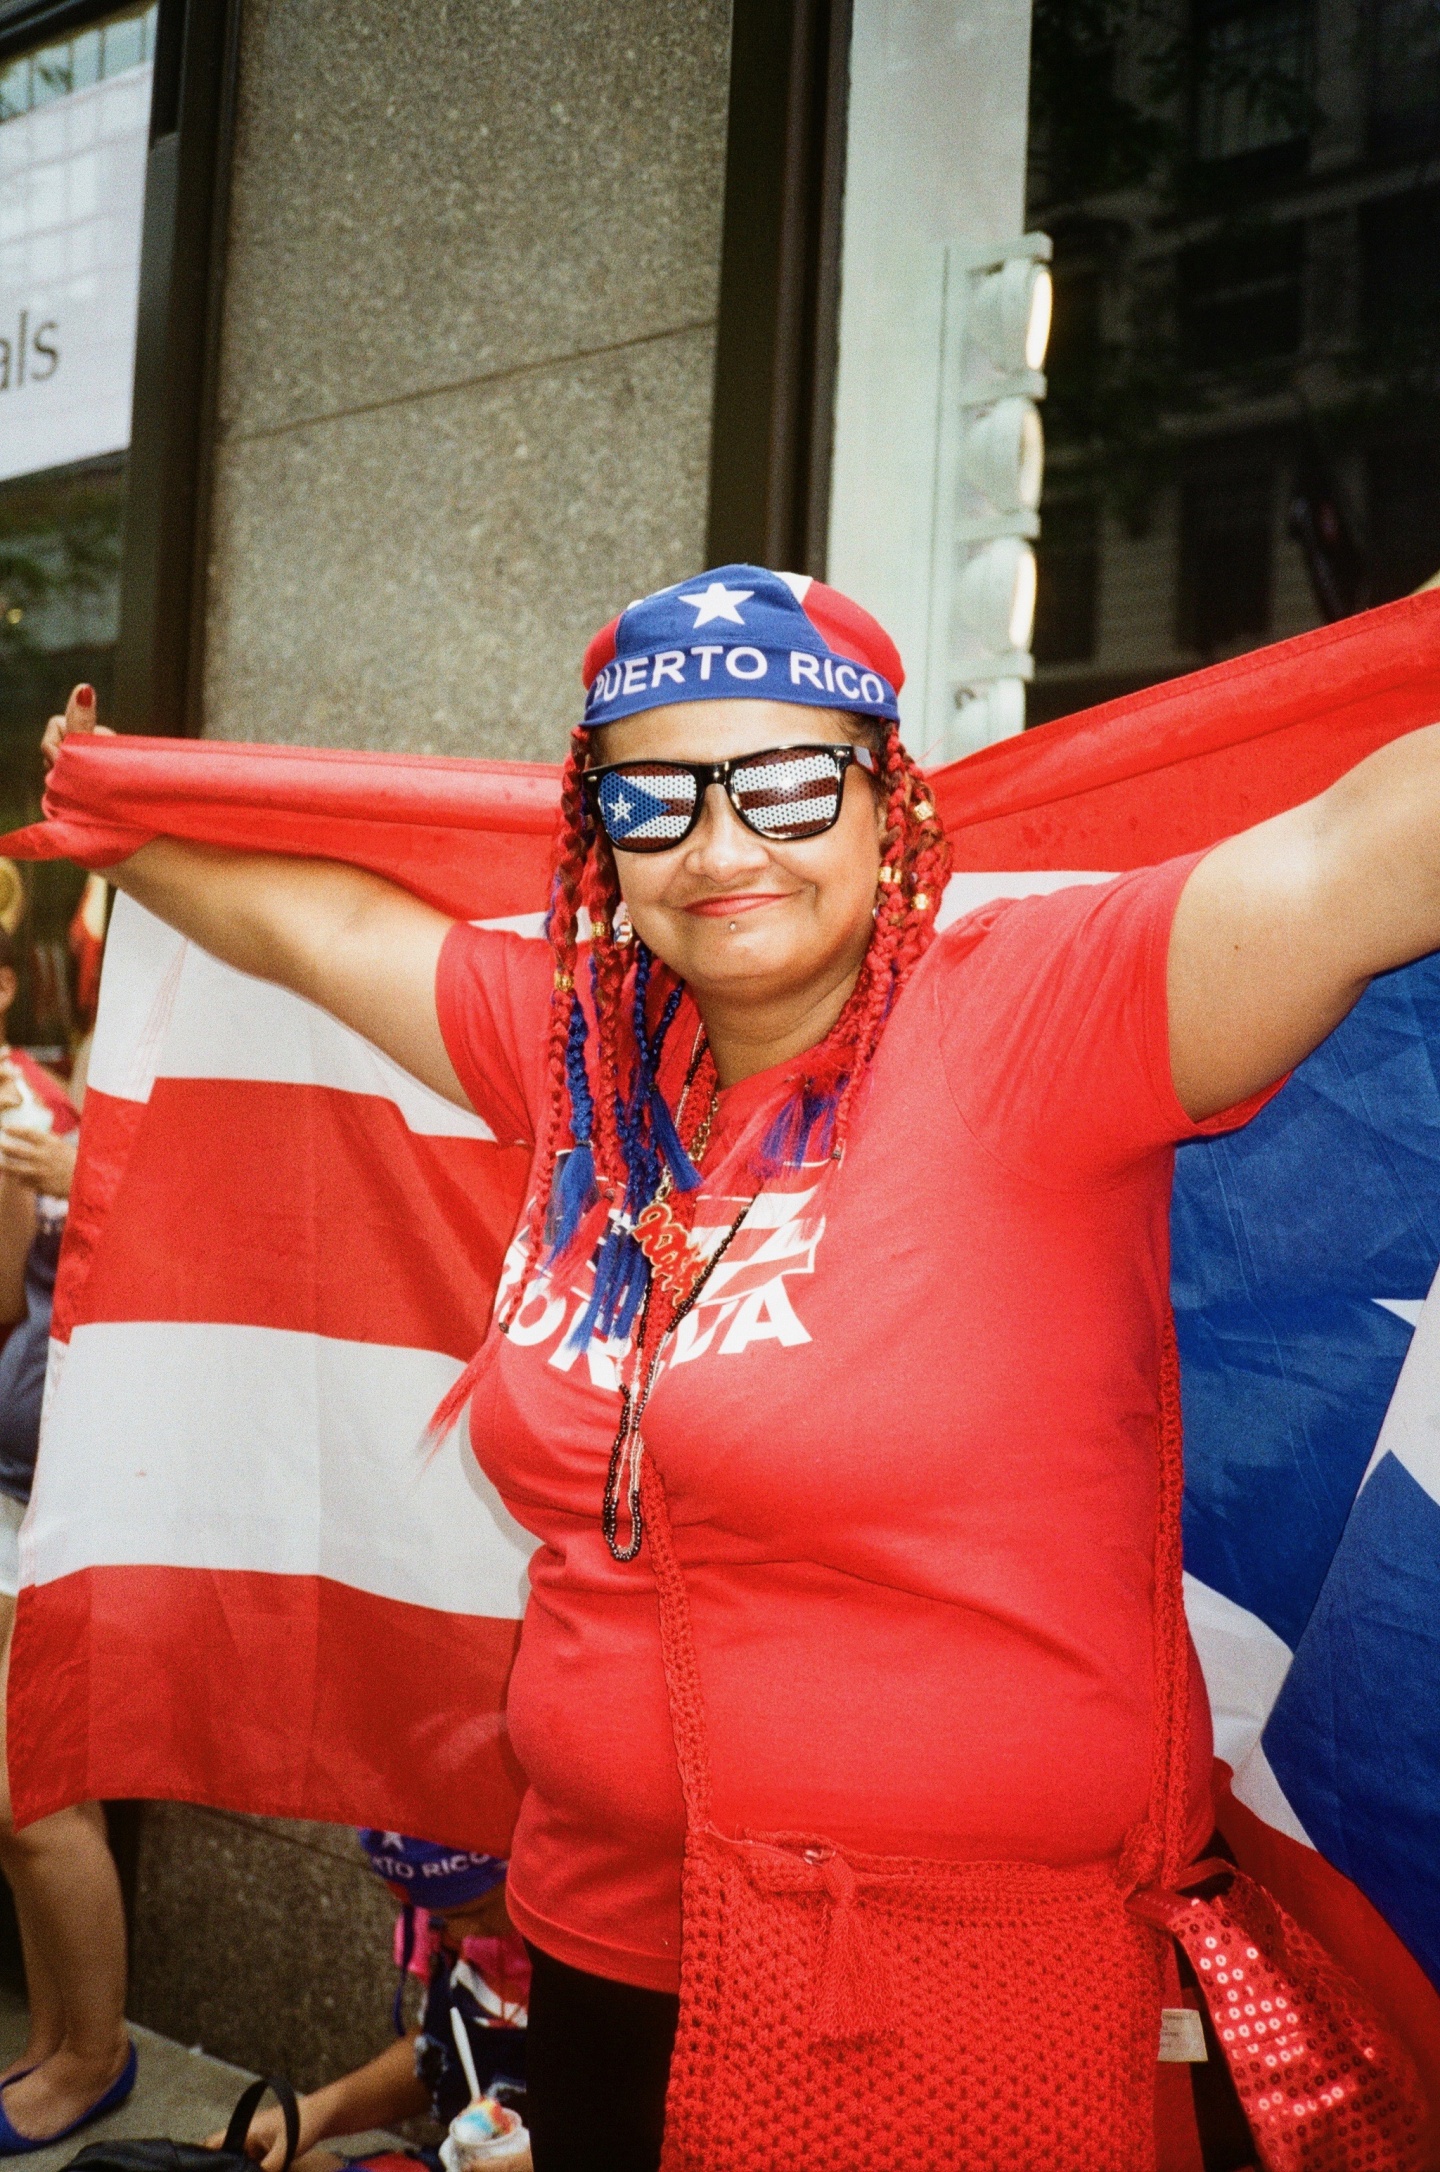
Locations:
(837, 1323)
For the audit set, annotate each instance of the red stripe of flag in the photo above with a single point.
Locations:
(107, 1135)
(1179, 766)
(330, 1216)
(85, 1721)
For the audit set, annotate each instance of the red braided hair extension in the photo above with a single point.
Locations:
(914, 862)
(562, 922)
(602, 900)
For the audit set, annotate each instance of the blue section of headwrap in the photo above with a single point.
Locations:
(737, 631)
(428, 1876)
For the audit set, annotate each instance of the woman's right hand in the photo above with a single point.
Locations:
(80, 716)
(361, 947)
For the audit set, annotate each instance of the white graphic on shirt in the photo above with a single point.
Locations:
(745, 1301)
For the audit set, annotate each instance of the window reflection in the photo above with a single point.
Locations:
(1242, 428)
(1252, 76)
(71, 64)
(73, 121)
(1404, 119)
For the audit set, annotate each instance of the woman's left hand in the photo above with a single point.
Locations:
(38, 1160)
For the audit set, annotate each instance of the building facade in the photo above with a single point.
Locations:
(1241, 423)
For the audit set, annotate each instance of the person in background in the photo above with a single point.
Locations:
(455, 1932)
(78, 2062)
(39, 1128)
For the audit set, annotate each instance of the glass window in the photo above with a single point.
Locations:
(1400, 271)
(74, 120)
(1253, 410)
(1404, 78)
(1242, 297)
(126, 41)
(1076, 320)
(1226, 549)
(1403, 490)
(1252, 77)
(1067, 596)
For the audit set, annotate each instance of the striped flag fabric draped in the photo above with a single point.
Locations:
(245, 1584)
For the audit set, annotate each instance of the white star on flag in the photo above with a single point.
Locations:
(718, 601)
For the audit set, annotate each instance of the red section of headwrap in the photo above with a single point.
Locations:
(600, 652)
(850, 631)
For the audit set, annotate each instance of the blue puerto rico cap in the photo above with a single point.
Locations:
(742, 631)
(432, 1877)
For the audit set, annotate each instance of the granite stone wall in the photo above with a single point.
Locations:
(464, 417)
(267, 1943)
(467, 359)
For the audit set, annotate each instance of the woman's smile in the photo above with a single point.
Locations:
(743, 901)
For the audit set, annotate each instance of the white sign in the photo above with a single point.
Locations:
(72, 197)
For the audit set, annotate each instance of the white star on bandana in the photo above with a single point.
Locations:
(718, 601)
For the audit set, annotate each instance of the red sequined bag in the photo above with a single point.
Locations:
(855, 2013)
(1320, 2079)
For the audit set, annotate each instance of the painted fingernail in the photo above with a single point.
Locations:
(85, 696)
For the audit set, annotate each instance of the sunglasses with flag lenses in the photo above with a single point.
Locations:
(784, 794)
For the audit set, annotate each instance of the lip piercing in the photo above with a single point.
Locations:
(732, 927)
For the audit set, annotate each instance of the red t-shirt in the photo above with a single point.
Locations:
(907, 1437)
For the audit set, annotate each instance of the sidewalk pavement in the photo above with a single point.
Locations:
(183, 2094)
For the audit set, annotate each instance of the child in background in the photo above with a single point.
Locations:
(455, 1932)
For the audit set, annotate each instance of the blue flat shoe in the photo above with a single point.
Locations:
(13, 2144)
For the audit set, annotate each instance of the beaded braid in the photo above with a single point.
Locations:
(915, 859)
(914, 862)
(609, 965)
(572, 850)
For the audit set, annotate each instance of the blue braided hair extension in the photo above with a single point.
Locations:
(649, 1146)
(574, 1191)
(805, 1121)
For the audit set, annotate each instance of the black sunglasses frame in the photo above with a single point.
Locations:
(708, 773)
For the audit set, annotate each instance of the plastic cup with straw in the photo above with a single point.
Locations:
(487, 2133)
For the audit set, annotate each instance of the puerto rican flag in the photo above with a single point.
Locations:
(244, 1582)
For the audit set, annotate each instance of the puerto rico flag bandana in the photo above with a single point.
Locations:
(742, 631)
